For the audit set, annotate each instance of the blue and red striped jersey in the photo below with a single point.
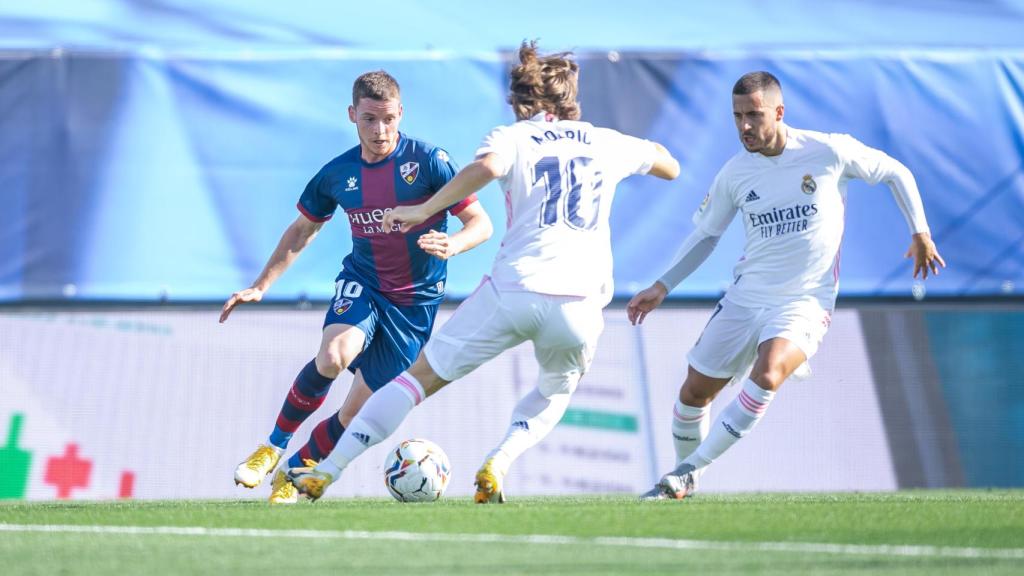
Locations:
(390, 263)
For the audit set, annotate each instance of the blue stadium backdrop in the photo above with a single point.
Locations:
(157, 150)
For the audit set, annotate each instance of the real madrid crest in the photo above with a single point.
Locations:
(808, 185)
(409, 171)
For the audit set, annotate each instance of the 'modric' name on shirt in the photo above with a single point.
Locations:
(559, 178)
(581, 136)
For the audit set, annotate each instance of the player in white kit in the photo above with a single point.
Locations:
(789, 186)
(551, 277)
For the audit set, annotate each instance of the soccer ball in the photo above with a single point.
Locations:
(416, 471)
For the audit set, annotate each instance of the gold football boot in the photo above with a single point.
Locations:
(309, 482)
(488, 484)
(255, 468)
(281, 489)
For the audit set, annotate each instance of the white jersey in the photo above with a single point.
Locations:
(559, 180)
(793, 209)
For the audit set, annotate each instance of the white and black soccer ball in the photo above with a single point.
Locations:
(416, 471)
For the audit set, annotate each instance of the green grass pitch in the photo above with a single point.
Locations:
(915, 532)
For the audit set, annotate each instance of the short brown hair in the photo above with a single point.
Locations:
(756, 82)
(378, 85)
(544, 84)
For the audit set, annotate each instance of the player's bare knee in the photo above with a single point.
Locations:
(769, 378)
(329, 364)
(698, 389)
(695, 396)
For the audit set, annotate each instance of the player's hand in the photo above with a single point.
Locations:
(406, 217)
(644, 302)
(240, 297)
(925, 255)
(437, 244)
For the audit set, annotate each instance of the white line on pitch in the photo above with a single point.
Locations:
(664, 543)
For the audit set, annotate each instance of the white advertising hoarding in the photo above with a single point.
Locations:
(165, 403)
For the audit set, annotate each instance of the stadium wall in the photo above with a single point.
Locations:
(163, 403)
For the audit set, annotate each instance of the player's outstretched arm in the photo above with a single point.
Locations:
(904, 190)
(926, 256)
(876, 166)
(476, 229)
(665, 166)
(470, 179)
(695, 250)
(295, 238)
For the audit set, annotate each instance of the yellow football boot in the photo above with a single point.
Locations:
(309, 481)
(281, 489)
(488, 484)
(255, 468)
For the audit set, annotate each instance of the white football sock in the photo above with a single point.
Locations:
(533, 418)
(735, 422)
(690, 427)
(382, 414)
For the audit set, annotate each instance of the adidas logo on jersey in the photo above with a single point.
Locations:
(752, 196)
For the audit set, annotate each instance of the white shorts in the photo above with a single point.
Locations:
(728, 346)
(564, 331)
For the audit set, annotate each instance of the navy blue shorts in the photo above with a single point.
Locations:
(394, 334)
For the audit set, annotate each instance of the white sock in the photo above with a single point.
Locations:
(690, 427)
(382, 414)
(533, 418)
(735, 422)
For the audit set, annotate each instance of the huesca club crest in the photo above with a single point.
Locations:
(409, 171)
(342, 306)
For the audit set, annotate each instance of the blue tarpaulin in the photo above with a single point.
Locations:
(156, 149)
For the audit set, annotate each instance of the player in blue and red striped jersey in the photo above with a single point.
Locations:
(550, 281)
(389, 288)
